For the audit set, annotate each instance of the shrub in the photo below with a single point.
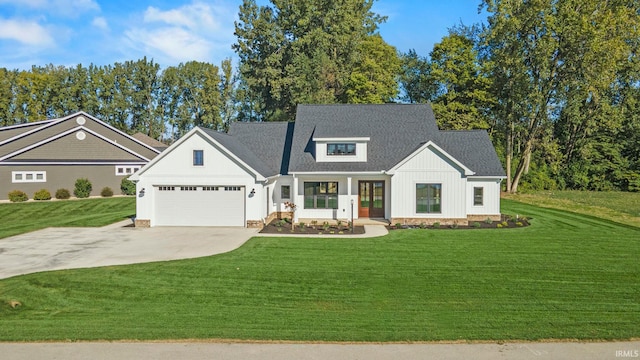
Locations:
(488, 221)
(455, 225)
(18, 196)
(398, 226)
(83, 188)
(42, 194)
(106, 192)
(127, 187)
(505, 224)
(301, 226)
(476, 224)
(519, 223)
(499, 225)
(423, 225)
(62, 194)
(436, 225)
(325, 226)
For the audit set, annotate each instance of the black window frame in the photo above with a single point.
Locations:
(198, 157)
(348, 149)
(476, 196)
(288, 192)
(325, 191)
(437, 188)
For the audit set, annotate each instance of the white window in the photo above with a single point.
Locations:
(28, 176)
(124, 170)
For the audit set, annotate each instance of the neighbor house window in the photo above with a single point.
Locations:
(428, 198)
(285, 192)
(341, 149)
(126, 169)
(28, 176)
(198, 157)
(478, 198)
(321, 195)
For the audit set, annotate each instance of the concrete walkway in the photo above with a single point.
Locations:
(119, 244)
(284, 351)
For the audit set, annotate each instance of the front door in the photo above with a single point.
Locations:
(371, 199)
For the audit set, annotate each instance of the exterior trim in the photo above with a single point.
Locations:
(70, 163)
(65, 133)
(467, 171)
(79, 113)
(136, 176)
(341, 139)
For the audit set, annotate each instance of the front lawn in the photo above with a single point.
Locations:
(19, 218)
(566, 276)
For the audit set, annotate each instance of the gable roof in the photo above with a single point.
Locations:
(394, 130)
(393, 133)
(148, 140)
(474, 149)
(17, 139)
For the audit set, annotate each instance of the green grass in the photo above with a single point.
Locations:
(623, 207)
(19, 218)
(566, 276)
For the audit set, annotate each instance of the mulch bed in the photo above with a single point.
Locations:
(283, 227)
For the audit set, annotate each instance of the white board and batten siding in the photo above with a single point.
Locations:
(428, 167)
(491, 196)
(199, 207)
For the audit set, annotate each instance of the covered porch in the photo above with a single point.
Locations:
(363, 197)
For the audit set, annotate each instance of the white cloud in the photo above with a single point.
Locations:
(195, 31)
(25, 32)
(174, 43)
(100, 23)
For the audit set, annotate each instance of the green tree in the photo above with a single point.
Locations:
(306, 52)
(374, 77)
(552, 58)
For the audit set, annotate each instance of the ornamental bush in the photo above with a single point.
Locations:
(18, 196)
(42, 194)
(63, 194)
(83, 188)
(106, 192)
(128, 187)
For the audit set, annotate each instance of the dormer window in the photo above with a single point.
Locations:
(341, 149)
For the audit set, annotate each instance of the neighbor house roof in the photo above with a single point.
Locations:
(144, 138)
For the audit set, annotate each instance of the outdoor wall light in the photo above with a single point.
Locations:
(253, 192)
(141, 193)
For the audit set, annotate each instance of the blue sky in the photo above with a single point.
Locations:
(70, 32)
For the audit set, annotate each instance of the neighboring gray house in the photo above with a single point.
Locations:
(384, 161)
(52, 154)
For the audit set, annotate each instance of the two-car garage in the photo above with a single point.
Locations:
(202, 205)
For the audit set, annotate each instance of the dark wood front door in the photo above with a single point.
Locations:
(371, 199)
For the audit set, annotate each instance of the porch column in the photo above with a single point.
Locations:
(349, 196)
(295, 198)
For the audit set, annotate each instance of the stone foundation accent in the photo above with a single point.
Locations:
(429, 221)
(481, 218)
(255, 224)
(463, 221)
(142, 223)
(276, 215)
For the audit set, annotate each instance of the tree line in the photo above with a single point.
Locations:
(555, 82)
(131, 96)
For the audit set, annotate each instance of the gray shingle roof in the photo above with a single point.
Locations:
(474, 149)
(395, 131)
(259, 145)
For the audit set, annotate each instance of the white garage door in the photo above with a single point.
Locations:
(199, 206)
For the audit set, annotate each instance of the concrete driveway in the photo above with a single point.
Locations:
(116, 244)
